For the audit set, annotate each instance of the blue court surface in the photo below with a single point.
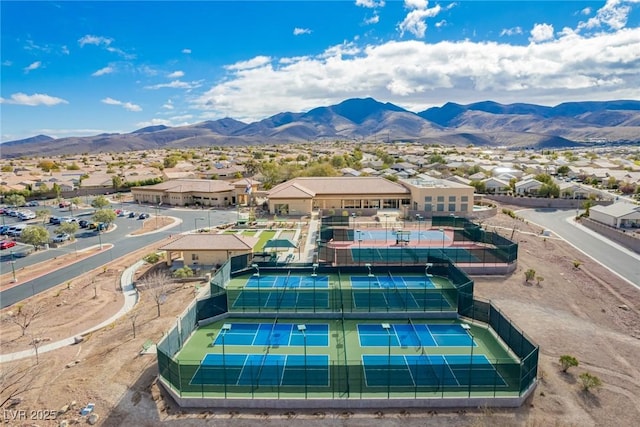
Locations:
(263, 370)
(274, 335)
(411, 235)
(385, 282)
(429, 370)
(413, 335)
(307, 282)
(281, 299)
(403, 299)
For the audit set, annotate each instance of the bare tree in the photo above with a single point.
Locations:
(14, 381)
(133, 317)
(36, 341)
(157, 283)
(24, 316)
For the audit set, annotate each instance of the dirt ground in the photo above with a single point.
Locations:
(587, 312)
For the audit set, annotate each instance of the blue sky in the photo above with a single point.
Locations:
(79, 68)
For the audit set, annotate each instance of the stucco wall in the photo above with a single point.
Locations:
(541, 202)
(628, 238)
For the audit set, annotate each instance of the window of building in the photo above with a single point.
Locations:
(452, 207)
(440, 198)
(194, 257)
(452, 199)
(464, 207)
(440, 207)
(427, 198)
(464, 198)
(428, 207)
(390, 204)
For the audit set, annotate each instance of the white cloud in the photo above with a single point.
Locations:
(256, 62)
(102, 71)
(104, 42)
(126, 105)
(168, 105)
(32, 66)
(299, 31)
(94, 40)
(586, 11)
(415, 75)
(65, 50)
(7, 63)
(176, 74)
(613, 14)
(186, 51)
(373, 20)
(370, 3)
(153, 122)
(415, 21)
(541, 33)
(175, 84)
(442, 23)
(511, 31)
(33, 100)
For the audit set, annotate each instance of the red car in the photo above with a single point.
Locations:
(6, 244)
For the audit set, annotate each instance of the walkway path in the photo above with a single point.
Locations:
(130, 300)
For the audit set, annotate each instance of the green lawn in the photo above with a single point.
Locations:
(265, 236)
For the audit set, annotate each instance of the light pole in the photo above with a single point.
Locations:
(314, 276)
(353, 215)
(419, 218)
(467, 328)
(99, 237)
(195, 223)
(359, 246)
(386, 226)
(386, 327)
(257, 276)
(209, 217)
(302, 328)
(13, 268)
(370, 276)
(225, 328)
(442, 231)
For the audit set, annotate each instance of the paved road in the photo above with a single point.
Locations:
(616, 258)
(122, 246)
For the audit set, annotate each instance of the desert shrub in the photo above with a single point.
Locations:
(183, 272)
(152, 258)
(589, 381)
(567, 361)
(529, 274)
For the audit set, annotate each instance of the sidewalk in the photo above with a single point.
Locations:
(130, 300)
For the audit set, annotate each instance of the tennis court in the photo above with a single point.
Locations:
(397, 299)
(266, 282)
(283, 292)
(273, 334)
(263, 370)
(430, 370)
(411, 235)
(411, 335)
(385, 282)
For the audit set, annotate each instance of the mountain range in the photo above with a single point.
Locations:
(484, 123)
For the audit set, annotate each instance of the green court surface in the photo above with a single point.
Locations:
(354, 293)
(269, 358)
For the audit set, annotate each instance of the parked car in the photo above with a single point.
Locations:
(143, 215)
(33, 203)
(132, 214)
(83, 223)
(16, 230)
(63, 204)
(6, 244)
(62, 237)
(55, 220)
(26, 215)
(3, 229)
(87, 409)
